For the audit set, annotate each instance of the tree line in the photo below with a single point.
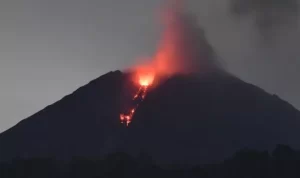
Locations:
(283, 162)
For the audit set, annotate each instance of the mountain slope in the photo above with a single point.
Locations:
(70, 125)
(190, 119)
(186, 119)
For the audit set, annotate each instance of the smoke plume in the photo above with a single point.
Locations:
(268, 14)
(183, 47)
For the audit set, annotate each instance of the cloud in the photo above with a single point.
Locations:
(267, 14)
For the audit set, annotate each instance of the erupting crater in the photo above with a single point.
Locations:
(144, 77)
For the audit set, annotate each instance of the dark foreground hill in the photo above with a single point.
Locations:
(186, 119)
(282, 162)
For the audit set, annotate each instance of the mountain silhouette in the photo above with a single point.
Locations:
(187, 119)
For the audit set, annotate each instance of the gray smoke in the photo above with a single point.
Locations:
(183, 47)
(267, 14)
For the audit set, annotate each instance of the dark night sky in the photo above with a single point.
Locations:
(49, 48)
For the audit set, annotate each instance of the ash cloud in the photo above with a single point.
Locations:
(267, 14)
(183, 47)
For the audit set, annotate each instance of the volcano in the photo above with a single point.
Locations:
(187, 119)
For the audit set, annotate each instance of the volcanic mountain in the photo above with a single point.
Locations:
(186, 119)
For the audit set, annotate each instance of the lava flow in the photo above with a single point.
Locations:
(145, 79)
(182, 49)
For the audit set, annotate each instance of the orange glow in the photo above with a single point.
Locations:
(144, 82)
(122, 117)
(138, 98)
(174, 50)
(144, 74)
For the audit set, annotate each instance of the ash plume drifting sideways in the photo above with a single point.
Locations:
(268, 14)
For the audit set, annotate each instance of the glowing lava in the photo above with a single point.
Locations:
(145, 79)
(182, 49)
(145, 75)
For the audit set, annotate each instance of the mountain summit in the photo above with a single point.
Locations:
(186, 119)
